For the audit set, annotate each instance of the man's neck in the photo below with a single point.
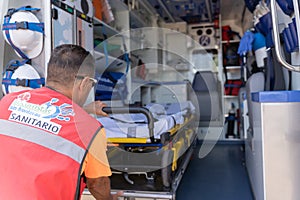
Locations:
(58, 88)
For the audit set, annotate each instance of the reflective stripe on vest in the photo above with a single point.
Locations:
(42, 138)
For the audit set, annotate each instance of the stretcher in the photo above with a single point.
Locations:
(149, 149)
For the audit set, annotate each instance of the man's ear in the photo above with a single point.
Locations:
(83, 85)
(80, 90)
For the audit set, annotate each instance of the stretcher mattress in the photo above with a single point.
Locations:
(135, 125)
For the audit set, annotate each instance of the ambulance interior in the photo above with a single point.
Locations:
(180, 78)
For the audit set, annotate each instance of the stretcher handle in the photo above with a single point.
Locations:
(277, 39)
(130, 109)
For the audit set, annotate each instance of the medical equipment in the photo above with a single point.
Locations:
(149, 147)
(20, 76)
(24, 32)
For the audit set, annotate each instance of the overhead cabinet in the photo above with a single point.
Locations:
(72, 23)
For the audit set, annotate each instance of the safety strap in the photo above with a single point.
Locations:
(9, 71)
(33, 83)
(38, 27)
(126, 55)
(105, 46)
(126, 58)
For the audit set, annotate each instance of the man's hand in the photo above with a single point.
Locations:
(100, 188)
(95, 108)
(118, 194)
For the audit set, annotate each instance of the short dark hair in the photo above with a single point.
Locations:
(67, 61)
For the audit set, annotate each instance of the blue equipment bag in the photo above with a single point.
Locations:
(286, 6)
(111, 86)
(290, 37)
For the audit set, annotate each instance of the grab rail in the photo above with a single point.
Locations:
(276, 36)
(125, 110)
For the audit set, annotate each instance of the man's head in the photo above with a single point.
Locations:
(70, 71)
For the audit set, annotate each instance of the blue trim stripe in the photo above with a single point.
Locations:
(276, 96)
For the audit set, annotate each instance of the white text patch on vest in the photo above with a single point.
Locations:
(38, 123)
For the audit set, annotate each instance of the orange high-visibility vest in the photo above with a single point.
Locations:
(44, 139)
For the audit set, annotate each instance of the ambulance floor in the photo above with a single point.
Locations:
(219, 175)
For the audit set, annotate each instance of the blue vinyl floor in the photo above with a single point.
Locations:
(221, 175)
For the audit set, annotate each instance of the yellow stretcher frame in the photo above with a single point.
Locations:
(179, 141)
(172, 131)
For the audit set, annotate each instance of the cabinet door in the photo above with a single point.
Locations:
(62, 26)
(176, 45)
(84, 34)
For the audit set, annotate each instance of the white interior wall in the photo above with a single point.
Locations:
(4, 6)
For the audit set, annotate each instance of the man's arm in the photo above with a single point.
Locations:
(100, 188)
(97, 169)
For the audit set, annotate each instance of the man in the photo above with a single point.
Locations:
(46, 137)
